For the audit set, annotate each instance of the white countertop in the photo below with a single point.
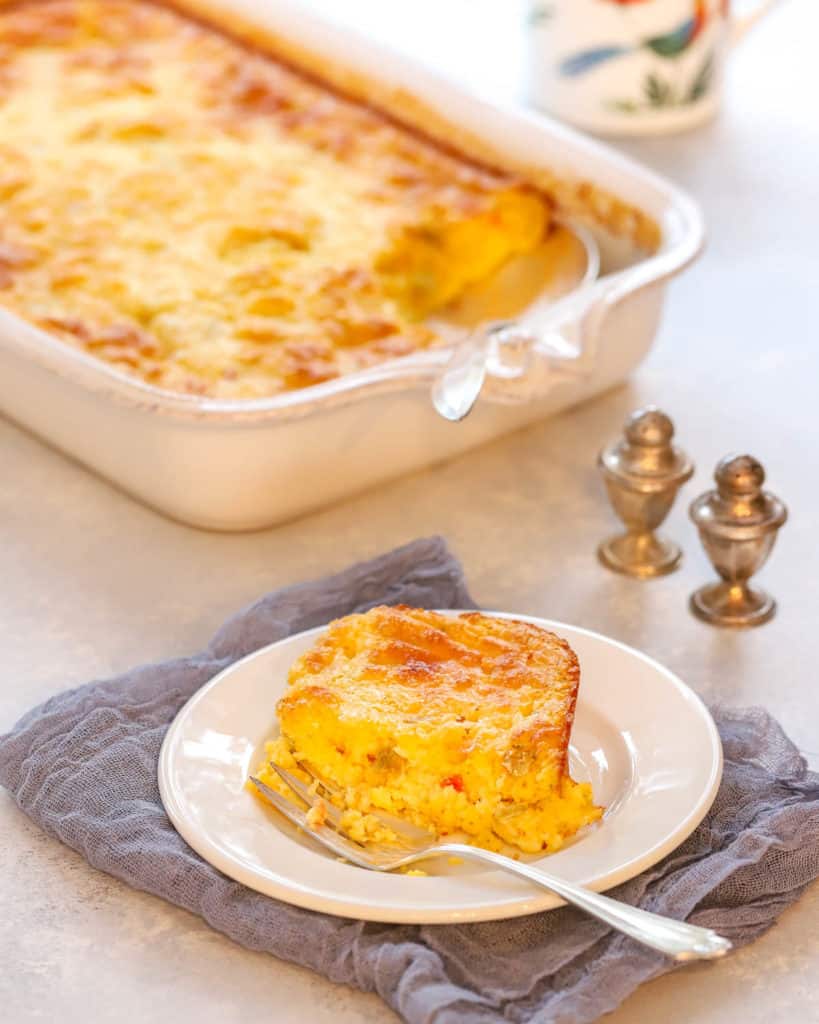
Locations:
(93, 583)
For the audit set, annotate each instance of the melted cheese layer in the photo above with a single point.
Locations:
(203, 217)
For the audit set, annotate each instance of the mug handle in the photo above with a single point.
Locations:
(741, 24)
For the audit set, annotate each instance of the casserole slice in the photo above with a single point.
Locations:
(455, 723)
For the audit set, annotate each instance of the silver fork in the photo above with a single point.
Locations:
(675, 939)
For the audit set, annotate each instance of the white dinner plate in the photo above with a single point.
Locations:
(644, 740)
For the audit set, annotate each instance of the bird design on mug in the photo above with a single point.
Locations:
(667, 45)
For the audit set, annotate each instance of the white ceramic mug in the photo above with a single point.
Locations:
(631, 67)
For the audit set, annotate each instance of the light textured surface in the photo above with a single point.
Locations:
(736, 366)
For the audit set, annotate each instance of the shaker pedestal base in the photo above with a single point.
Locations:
(642, 555)
(729, 604)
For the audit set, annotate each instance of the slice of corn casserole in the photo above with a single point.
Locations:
(457, 724)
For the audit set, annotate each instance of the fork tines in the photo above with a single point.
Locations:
(328, 837)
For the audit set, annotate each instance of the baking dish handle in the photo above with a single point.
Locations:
(526, 361)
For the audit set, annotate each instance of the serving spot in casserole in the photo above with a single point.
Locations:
(207, 219)
(458, 724)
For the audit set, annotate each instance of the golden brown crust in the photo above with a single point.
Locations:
(517, 683)
(216, 222)
(578, 198)
(159, 114)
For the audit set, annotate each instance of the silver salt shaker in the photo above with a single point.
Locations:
(642, 472)
(738, 523)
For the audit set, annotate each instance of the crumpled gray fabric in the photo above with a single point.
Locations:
(83, 766)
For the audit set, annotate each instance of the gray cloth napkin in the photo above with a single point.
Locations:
(83, 766)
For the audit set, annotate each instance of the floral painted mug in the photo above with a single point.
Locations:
(631, 67)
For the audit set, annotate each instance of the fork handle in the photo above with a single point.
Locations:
(675, 939)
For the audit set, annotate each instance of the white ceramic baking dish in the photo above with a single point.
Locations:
(240, 465)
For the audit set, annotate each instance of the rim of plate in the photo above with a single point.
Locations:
(294, 892)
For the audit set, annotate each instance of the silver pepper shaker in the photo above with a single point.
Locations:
(738, 523)
(643, 471)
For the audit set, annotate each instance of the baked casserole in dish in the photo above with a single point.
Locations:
(209, 219)
(454, 723)
(229, 233)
